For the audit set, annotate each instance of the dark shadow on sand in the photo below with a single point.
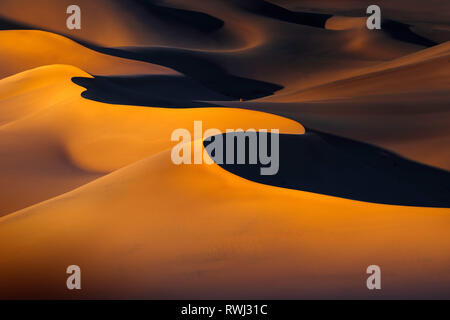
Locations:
(170, 91)
(326, 164)
(274, 11)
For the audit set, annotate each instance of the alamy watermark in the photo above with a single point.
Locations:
(235, 146)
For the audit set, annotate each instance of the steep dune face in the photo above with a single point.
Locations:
(27, 49)
(192, 229)
(73, 140)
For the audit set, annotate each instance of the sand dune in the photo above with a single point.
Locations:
(45, 118)
(317, 79)
(86, 177)
(417, 77)
(21, 50)
(326, 164)
(192, 229)
(166, 91)
(315, 57)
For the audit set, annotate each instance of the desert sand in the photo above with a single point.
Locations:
(86, 177)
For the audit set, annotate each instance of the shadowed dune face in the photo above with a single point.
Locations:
(87, 176)
(130, 22)
(99, 16)
(190, 19)
(415, 127)
(229, 230)
(172, 91)
(295, 67)
(75, 140)
(396, 30)
(419, 77)
(39, 48)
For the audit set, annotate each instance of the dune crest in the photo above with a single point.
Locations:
(87, 172)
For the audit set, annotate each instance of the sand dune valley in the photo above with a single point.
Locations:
(87, 179)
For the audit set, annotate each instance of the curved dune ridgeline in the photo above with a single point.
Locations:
(325, 164)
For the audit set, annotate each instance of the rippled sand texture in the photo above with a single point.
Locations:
(86, 176)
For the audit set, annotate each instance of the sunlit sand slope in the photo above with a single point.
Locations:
(157, 230)
(50, 133)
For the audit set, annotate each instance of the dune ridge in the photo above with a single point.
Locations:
(85, 151)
